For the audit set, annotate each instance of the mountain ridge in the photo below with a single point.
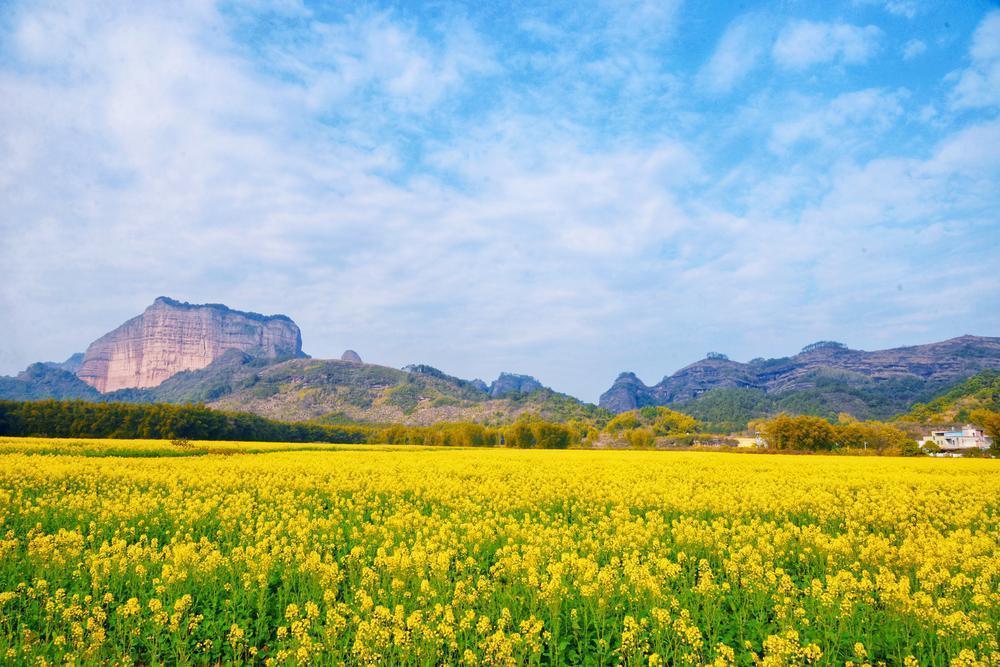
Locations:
(238, 363)
(171, 336)
(909, 371)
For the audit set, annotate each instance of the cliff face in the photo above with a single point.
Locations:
(511, 383)
(931, 364)
(170, 337)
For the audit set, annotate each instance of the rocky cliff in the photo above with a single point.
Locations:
(171, 336)
(351, 356)
(512, 383)
(904, 369)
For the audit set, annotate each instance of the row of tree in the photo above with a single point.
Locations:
(80, 419)
(805, 433)
(989, 421)
(648, 427)
(643, 428)
(528, 432)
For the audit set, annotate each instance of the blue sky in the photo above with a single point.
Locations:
(567, 189)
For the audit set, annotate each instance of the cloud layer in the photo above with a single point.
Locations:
(567, 191)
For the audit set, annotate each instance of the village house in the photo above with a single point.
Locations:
(968, 437)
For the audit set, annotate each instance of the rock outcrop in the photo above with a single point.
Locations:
(351, 356)
(934, 364)
(71, 365)
(511, 383)
(171, 336)
(45, 380)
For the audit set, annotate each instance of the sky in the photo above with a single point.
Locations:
(564, 189)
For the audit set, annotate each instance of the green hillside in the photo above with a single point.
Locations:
(337, 391)
(981, 391)
(831, 393)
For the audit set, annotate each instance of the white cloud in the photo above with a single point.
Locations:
(735, 55)
(979, 84)
(376, 55)
(802, 44)
(913, 48)
(905, 8)
(156, 154)
(847, 119)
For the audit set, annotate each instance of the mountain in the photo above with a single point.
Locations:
(352, 356)
(177, 352)
(71, 365)
(46, 380)
(171, 336)
(954, 406)
(511, 383)
(337, 391)
(824, 378)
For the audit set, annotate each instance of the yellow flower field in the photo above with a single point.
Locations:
(243, 552)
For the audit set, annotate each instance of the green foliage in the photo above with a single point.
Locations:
(841, 391)
(550, 436)
(640, 438)
(956, 404)
(643, 428)
(404, 396)
(557, 407)
(989, 421)
(808, 433)
(660, 421)
(456, 434)
(529, 432)
(520, 435)
(729, 409)
(802, 432)
(40, 381)
(623, 422)
(79, 419)
(872, 434)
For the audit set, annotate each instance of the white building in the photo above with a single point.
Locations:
(969, 437)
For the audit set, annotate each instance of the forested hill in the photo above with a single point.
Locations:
(955, 405)
(825, 379)
(329, 391)
(79, 419)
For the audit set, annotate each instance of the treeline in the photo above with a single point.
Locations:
(805, 433)
(648, 427)
(80, 419)
(526, 433)
(960, 403)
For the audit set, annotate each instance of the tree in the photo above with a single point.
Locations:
(640, 438)
(803, 432)
(520, 435)
(550, 436)
(989, 421)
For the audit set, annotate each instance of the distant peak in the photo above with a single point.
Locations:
(513, 383)
(519, 376)
(823, 345)
(351, 356)
(162, 301)
(172, 336)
